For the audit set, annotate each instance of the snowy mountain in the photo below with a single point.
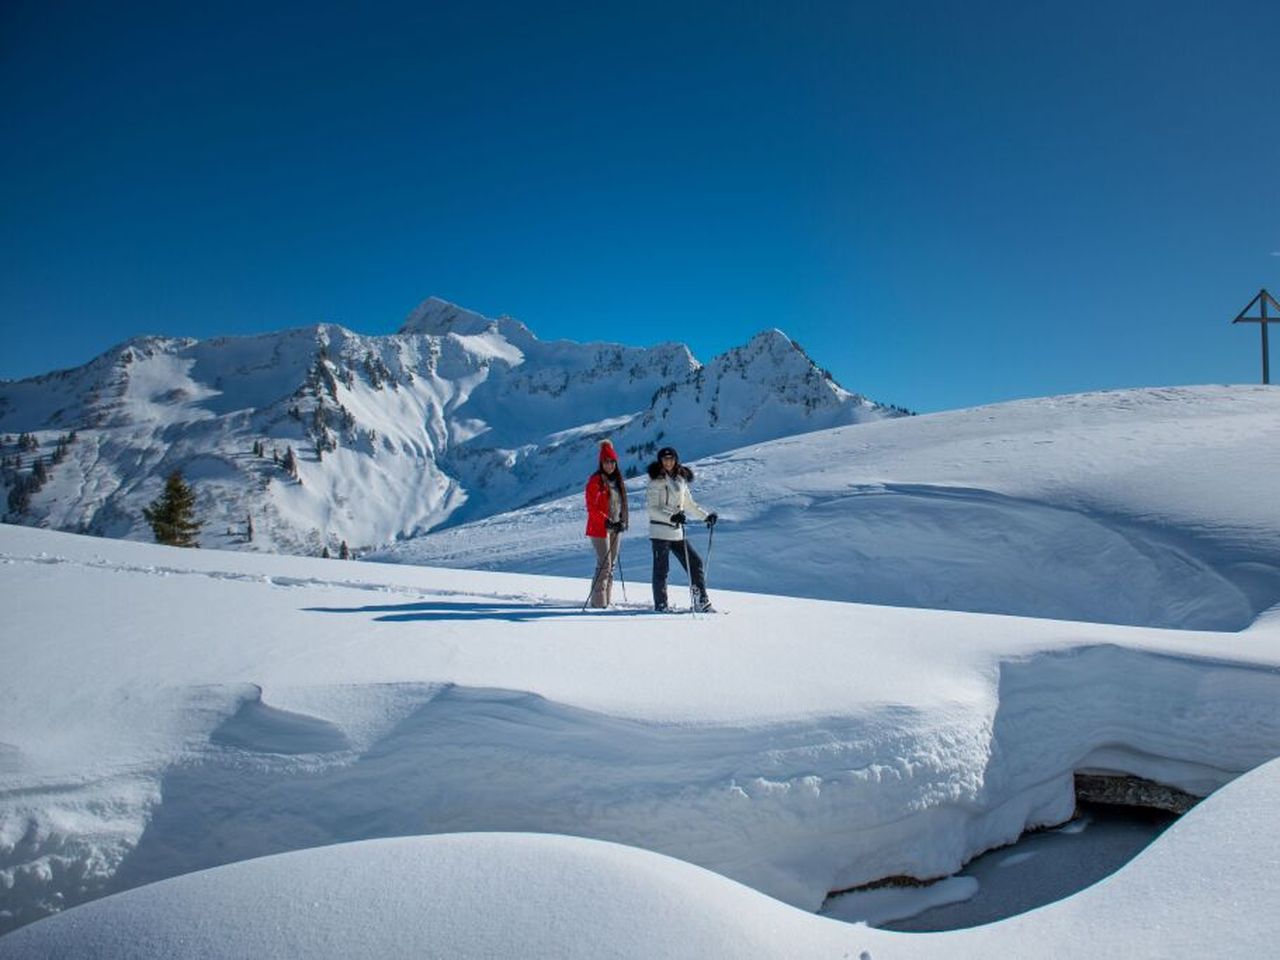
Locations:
(798, 747)
(454, 417)
(1128, 506)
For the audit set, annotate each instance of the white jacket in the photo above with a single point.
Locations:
(669, 495)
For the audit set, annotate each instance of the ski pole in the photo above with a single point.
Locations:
(594, 581)
(693, 603)
(706, 566)
(621, 577)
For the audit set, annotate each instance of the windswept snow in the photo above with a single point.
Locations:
(797, 746)
(1134, 507)
(1205, 889)
(165, 711)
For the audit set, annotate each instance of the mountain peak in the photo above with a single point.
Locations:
(437, 317)
(773, 337)
(457, 417)
(773, 346)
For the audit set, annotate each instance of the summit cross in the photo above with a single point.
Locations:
(1263, 299)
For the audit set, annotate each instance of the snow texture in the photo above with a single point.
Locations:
(1135, 507)
(164, 711)
(456, 416)
(1205, 889)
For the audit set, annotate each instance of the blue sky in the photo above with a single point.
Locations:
(947, 204)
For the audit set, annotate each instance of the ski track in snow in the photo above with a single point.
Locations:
(270, 580)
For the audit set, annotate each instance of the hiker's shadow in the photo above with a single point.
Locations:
(514, 611)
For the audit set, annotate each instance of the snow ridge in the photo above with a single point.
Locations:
(873, 742)
(456, 416)
(1132, 506)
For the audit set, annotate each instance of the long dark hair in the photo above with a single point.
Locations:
(656, 471)
(618, 483)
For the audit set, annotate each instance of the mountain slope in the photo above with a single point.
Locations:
(1129, 506)
(454, 417)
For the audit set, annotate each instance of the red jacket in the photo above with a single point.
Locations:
(597, 494)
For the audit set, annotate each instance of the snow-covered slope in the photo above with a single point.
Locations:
(1151, 506)
(456, 416)
(166, 710)
(1205, 889)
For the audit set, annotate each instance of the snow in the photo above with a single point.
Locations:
(455, 417)
(1133, 507)
(480, 768)
(884, 904)
(1205, 889)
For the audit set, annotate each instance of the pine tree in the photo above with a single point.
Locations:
(325, 554)
(290, 463)
(20, 495)
(172, 514)
(248, 528)
(344, 552)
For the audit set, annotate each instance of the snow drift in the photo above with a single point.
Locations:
(1204, 889)
(1130, 506)
(164, 711)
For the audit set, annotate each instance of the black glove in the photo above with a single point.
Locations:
(711, 519)
(677, 519)
(615, 526)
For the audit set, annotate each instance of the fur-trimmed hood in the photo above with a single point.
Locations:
(655, 471)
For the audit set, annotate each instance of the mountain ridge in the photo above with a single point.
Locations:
(454, 417)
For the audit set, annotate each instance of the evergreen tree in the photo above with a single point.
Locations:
(344, 552)
(172, 514)
(291, 463)
(248, 527)
(325, 554)
(20, 495)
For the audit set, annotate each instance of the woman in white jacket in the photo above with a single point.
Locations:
(670, 502)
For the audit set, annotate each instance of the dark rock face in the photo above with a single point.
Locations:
(1126, 791)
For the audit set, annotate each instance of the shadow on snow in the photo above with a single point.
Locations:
(481, 610)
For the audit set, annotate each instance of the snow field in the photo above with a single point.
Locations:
(1138, 507)
(165, 711)
(796, 746)
(1204, 889)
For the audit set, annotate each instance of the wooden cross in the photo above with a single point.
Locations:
(1262, 299)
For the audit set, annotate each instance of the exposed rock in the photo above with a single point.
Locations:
(1126, 791)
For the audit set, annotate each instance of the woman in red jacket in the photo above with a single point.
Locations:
(606, 519)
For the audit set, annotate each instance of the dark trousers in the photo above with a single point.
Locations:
(662, 550)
